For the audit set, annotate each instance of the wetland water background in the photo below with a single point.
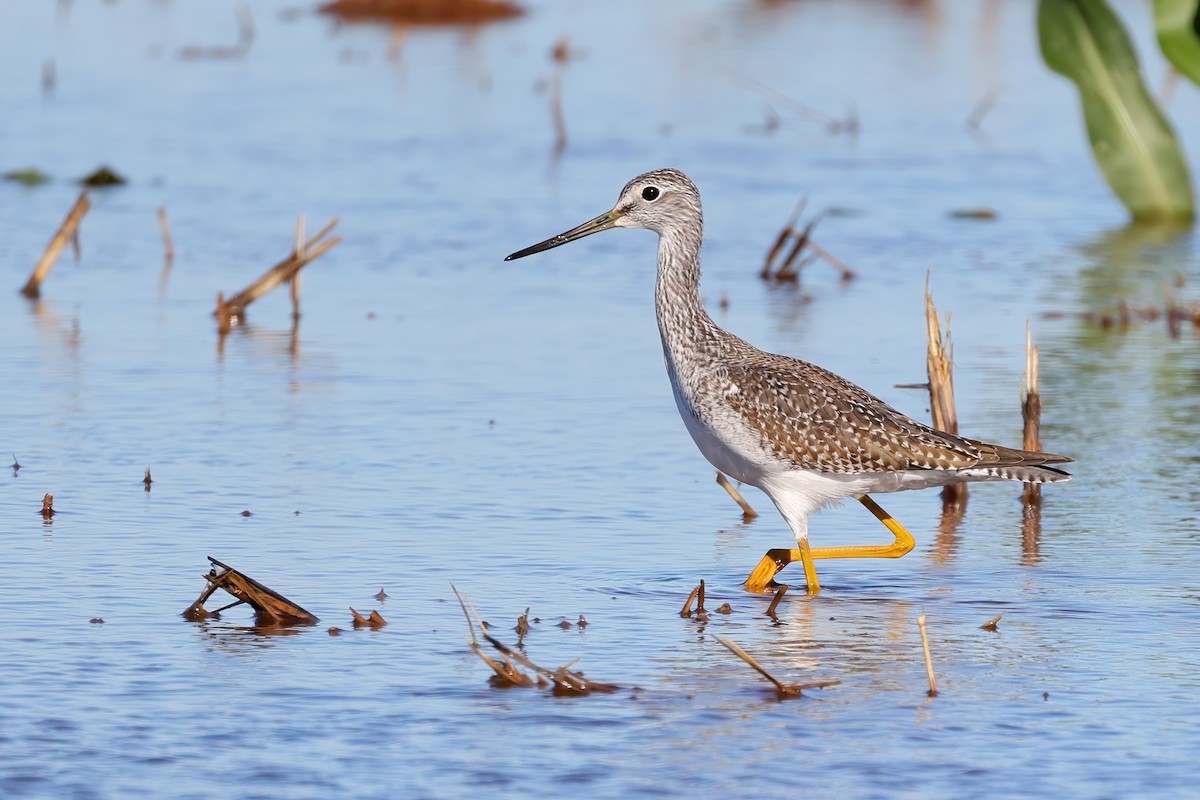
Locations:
(442, 416)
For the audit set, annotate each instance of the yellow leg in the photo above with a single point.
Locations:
(903, 543)
(762, 579)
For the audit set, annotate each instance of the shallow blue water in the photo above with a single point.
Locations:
(441, 416)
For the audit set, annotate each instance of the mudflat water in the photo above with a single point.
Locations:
(440, 416)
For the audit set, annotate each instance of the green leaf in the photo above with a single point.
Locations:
(1177, 23)
(1133, 143)
(31, 176)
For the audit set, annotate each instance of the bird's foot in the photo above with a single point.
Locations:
(762, 578)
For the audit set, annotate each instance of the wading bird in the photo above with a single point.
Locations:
(803, 435)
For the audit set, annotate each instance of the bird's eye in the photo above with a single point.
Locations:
(650, 193)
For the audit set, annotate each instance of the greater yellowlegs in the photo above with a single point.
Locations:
(803, 435)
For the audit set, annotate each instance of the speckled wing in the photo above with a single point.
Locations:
(820, 421)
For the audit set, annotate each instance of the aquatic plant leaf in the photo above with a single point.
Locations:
(1177, 23)
(102, 177)
(31, 176)
(1131, 139)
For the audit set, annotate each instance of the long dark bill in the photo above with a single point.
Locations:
(601, 223)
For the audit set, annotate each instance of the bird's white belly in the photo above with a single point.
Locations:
(728, 443)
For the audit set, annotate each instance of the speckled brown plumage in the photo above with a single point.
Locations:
(814, 419)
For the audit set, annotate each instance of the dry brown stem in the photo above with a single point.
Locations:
(686, 611)
(782, 689)
(939, 365)
(231, 313)
(372, 620)
(1031, 412)
(65, 233)
(928, 658)
(771, 609)
(563, 680)
(803, 251)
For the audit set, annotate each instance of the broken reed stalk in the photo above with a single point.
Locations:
(784, 234)
(165, 227)
(928, 658)
(506, 673)
(832, 260)
(775, 601)
(783, 689)
(686, 611)
(562, 679)
(1031, 412)
(65, 233)
(230, 313)
(374, 621)
(940, 368)
(748, 511)
(271, 609)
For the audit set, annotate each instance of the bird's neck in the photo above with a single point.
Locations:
(682, 321)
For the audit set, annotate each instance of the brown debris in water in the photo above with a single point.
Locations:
(422, 12)
(231, 313)
(271, 609)
(771, 609)
(48, 506)
(782, 690)
(562, 680)
(788, 270)
(381, 595)
(65, 233)
(992, 624)
(374, 620)
(146, 481)
(686, 611)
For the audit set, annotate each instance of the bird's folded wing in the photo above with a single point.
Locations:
(818, 420)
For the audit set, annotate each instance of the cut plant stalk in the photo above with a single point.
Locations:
(928, 658)
(940, 367)
(65, 233)
(1031, 413)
